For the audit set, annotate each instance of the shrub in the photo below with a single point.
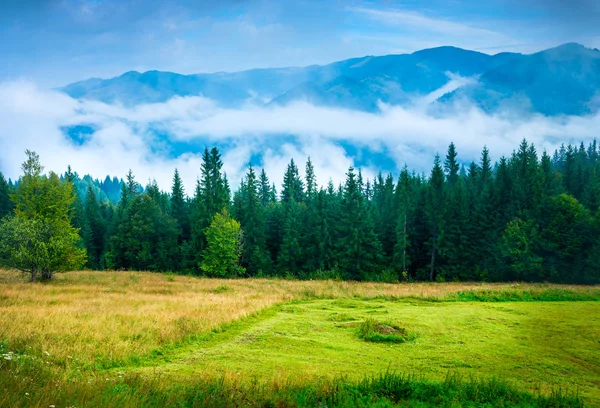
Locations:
(374, 331)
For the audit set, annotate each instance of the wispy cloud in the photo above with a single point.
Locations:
(422, 22)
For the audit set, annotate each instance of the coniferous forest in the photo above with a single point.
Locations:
(527, 217)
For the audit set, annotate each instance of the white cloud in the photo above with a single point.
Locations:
(422, 22)
(125, 139)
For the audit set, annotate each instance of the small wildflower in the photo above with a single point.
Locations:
(27, 393)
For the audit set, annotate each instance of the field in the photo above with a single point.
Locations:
(130, 339)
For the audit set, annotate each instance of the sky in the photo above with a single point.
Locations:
(50, 43)
(56, 42)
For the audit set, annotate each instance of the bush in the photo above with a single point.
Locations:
(374, 331)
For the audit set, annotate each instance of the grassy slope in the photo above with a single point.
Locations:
(190, 328)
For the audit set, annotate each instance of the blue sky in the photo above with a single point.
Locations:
(55, 42)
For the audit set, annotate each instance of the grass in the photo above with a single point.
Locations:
(154, 336)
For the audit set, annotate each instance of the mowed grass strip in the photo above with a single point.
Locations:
(533, 346)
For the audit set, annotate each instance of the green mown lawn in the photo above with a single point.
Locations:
(535, 346)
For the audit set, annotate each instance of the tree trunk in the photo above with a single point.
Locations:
(33, 273)
(432, 262)
(46, 275)
(404, 249)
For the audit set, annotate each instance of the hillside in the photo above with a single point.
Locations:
(561, 80)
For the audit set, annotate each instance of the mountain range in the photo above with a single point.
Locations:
(564, 80)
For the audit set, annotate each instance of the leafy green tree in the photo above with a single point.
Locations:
(566, 235)
(519, 247)
(222, 254)
(40, 238)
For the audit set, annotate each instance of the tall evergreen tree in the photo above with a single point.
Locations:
(252, 219)
(6, 205)
(293, 188)
(179, 207)
(311, 180)
(290, 258)
(359, 249)
(264, 189)
(435, 207)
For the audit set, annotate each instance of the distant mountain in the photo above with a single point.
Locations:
(561, 80)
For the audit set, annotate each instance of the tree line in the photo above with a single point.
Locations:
(526, 217)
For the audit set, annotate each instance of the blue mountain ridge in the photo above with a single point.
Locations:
(561, 80)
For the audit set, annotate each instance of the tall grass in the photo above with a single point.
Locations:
(33, 385)
(527, 294)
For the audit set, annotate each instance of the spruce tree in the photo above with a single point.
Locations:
(435, 206)
(290, 258)
(264, 189)
(293, 188)
(179, 207)
(251, 216)
(94, 231)
(359, 248)
(6, 205)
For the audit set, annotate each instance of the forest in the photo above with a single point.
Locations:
(527, 217)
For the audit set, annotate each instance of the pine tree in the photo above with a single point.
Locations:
(451, 165)
(311, 180)
(179, 208)
(293, 188)
(6, 205)
(77, 219)
(404, 199)
(435, 207)
(359, 248)
(252, 219)
(456, 212)
(212, 196)
(290, 256)
(264, 189)
(94, 231)
(144, 239)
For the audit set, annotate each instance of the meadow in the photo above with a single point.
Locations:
(137, 338)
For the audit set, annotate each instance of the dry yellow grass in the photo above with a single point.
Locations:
(87, 316)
